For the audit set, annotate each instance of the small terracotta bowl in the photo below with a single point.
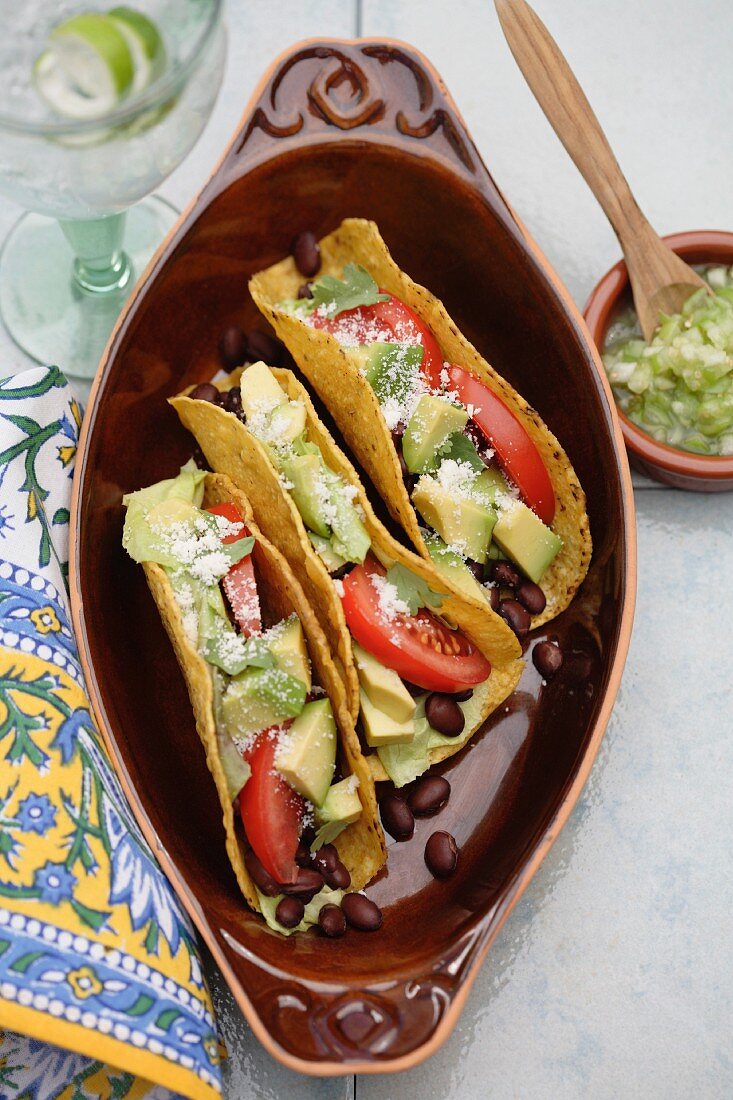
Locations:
(682, 469)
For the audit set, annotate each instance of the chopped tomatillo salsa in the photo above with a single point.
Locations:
(679, 387)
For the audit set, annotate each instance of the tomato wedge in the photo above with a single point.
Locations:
(392, 322)
(419, 648)
(515, 450)
(271, 811)
(240, 584)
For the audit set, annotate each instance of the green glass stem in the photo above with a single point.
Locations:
(100, 263)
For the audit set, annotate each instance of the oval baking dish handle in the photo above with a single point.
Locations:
(375, 92)
(326, 1024)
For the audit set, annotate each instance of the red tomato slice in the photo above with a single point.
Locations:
(271, 811)
(240, 584)
(391, 322)
(515, 450)
(419, 648)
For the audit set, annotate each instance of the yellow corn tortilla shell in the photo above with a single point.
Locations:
(361, 845)
(354, 406)
(231, 448)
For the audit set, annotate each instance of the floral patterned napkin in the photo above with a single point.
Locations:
(101, 988)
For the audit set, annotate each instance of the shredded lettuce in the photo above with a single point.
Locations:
(326, 896)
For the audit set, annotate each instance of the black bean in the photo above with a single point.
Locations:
(547, 658)
(403, 467)
(262, 879)
(233, 400)
(325, 859)
(397, 434)
(531, 596)
(232, 347)
(303, 856)
(441, 855)
(361, 912)
(307, 254)
(444, 714)
(516, 616)
(476, 568)
(397, 817)
(414, 689)
(493, 593)
(206, 391)
(505, 574)
(338, 878)
(306, 885)
(260, 345)
(305, 291)
(221, 399)
(342, 571)
(462, 696)
(429, 795)
(332, 921)
(289, 912)
(308, 835)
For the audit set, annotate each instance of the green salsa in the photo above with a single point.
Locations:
(679, 388)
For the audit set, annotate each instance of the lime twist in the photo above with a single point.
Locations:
(93, 61)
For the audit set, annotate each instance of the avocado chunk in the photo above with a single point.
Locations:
(340, 807)
(490, 486)
(259, 698)
(380, 728)
(261, 391)
(451, 565)
(286, 423)
(460, 521)
(526, 540)
(326, 552)
(390, 369)
(432, 423)
(309, 491)
(306, 756)
(287, 646)
(349, 536)
(383, 686)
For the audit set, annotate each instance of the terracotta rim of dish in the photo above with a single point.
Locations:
(556, 824)
(598, 309)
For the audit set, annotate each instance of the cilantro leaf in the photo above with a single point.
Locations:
(242, 548)
(458, 447)
(357, 288)
(415, 592)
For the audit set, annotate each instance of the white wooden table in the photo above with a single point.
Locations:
(613, 978)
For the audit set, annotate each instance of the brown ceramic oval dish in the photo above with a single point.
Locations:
(682, 469)
(343, 128)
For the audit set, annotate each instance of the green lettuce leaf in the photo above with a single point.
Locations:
(326, 896)
(141, 543)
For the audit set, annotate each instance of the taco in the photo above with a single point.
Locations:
(468, 469)
(269, 705)
(423, 664)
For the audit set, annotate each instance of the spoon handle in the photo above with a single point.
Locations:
(651, 264)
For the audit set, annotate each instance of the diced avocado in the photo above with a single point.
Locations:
(286, 423)
(460, 522)
(259, 698)
(341, 807)
(289, 650)
(261, 391)
(349, 536)
(390, 369)
(309, 491)
(172, 510)
(326, 552)
(307, 754)
(452, 565)
(380, 729)
(383, 686)
(526, 540)
(434, 420)
(490, 485)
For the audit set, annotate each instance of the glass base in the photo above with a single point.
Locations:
(42, 305)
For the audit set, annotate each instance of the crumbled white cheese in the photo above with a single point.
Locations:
(197, 545)
(388, 600)
(338, 584)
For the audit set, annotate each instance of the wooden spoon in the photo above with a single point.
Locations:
(661, 282)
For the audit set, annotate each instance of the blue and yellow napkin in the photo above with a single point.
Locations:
(101, 987)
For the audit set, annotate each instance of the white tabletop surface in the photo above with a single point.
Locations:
(613, 977)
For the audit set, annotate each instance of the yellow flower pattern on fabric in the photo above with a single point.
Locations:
(45, 619)
(84, 982)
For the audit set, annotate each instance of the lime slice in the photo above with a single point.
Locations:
(145, 43)
(87, 67)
